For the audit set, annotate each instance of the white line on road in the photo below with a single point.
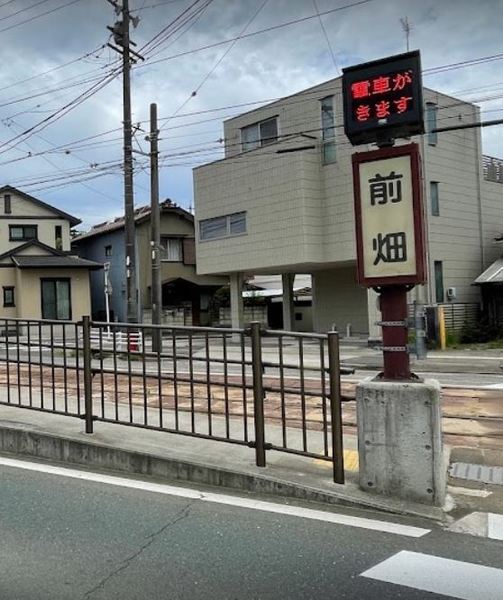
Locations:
(294, 511)
(454, 578)
(495, 526)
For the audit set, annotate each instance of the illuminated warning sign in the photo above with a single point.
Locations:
(383, 99)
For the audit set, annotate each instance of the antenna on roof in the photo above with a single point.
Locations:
(406, 29)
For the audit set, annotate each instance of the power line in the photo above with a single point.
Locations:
(23, 10)
(330, 49)
(48, 12)
(215, 66)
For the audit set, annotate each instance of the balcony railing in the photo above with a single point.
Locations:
(493, 169)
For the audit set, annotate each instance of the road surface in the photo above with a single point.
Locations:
(80, 535)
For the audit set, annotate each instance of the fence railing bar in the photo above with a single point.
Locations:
(18, 371)
(159, 388)
(302, 394)
(77, 365)
(30, 390)
(242, 340)
(51, 329)
(226, 388)
(102, 382)
(208, 384)
(144, 382)
(192, 398)
(324, 399)
(282, 388)
(65, 378)
(335, 407)
(175, 381)
(130, 381)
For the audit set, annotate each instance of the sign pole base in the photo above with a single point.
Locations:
(393, 301)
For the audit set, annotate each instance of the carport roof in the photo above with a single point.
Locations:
(493, 274)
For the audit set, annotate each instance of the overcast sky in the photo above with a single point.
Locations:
(263, 66)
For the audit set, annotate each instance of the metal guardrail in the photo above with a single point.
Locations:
(212, 383)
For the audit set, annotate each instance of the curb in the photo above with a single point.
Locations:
(90, 453)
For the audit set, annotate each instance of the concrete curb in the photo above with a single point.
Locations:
(25, 442)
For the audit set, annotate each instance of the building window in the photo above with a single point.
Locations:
(259, 134)
(219, 227)
(22, 233)
(108, 250)
(56, 303)
(435, 204)
(8, 296)
(7, 204)
(439, 281)
(171, 249)
(58, 234)
(328, 129)
(431, 123)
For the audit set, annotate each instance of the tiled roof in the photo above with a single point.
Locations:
(141, 214)
(58, 262)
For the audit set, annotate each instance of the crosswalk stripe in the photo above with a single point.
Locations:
(495, 526)
(452, 578)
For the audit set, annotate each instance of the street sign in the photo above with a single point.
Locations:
(383, 99)
(389, 217)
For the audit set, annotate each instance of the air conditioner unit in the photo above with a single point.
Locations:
(451, 293)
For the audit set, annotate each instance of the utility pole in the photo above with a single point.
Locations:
(155, 235)
(120, 31)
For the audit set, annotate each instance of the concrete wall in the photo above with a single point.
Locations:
(337, 300)
(492, 219)
(29, 299)
(44, 218)
(281, 196)
(8, 278)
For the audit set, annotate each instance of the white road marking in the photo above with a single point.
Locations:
(294, 511)
(468, 492)
(495, 526)
(493, 386)
(454, 578)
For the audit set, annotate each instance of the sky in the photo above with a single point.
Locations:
(60, 119)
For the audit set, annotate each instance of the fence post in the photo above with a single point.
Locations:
(258, 393)
(88, 377)
(334, 370)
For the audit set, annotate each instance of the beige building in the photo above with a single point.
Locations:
(281, 202)
(39, 278)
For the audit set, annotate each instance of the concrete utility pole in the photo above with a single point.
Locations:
(155, 234)
(121, 37)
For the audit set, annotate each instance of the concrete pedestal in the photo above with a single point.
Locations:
(400, 440)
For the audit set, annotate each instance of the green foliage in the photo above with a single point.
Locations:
(481, 331)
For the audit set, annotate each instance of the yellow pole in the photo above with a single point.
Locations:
(441, 327)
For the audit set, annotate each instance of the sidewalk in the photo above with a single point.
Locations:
(163, 456)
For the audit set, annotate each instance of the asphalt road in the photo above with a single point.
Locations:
(66, 538)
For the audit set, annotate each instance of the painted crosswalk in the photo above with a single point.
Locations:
(451, 578)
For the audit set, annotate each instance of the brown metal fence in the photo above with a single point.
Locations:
(269, 390)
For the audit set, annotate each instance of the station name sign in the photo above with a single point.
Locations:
(388, 215)
(383, 99)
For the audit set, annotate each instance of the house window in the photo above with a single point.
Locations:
(219, 227)
(56, 303)
(431, 123)
(439, 281)
(171, 249)
(8, 296)
(435, 204)
(108, 250)
(259, 134)
(328, 129)
(22, 233)
(58, 234)
(6, 204)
